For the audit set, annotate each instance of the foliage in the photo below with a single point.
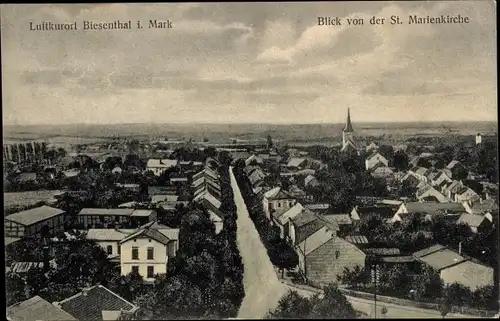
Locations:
(333, 305)
(128, 286)
(14, 286)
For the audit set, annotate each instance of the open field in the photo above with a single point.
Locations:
(327, 134)
(27, 198)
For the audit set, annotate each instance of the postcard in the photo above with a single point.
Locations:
(271, 160)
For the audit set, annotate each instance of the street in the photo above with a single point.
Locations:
(263, 290)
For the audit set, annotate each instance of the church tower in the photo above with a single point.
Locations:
(347, 134)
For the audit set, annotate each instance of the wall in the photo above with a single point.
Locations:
(104, 245)
(159, 262)
(323, 266)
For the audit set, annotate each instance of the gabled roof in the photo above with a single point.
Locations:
(442, 259)
(350, 144)
(471, 220)
(374, 155)
(290, 213)
(161, 163)
(35, 309)
(295, 162)
(310, 179)
(256, 176)
(208, 197)
(89, 304)
(34, 215)
(151, 233)
(340, 219)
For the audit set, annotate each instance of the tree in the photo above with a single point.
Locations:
(400, 161)
(128, 286)
(284, 256)
(458, 294)
(332, 297)
(291, 306)
(14, 286)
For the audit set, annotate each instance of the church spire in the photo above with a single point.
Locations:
(348, 125)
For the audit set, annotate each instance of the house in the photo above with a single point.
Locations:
(477, 223)
(311, 181)
(109, 239)
(147, 251)
(296, 163)
(202, 185)
(35, 309)
(253, 160)
(428, 208)
(374, 160)
(466, 194)
(104, 217)
(382, 172)
(325, 262)
(159, 166)
(420, 173)
(482, 207)
(429, 194)
(208, 174)
(372, 147)
(307, 223)
(97, 303)
(342, 220)
(300, 195)
(34, 221)
(256, 177)
(439, 178)
(212, 205)
(282, 220)
(479, 139)
(455, 268)
(277, 200)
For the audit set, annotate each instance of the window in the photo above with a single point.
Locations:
(119, 250)
(109, 249)
(279, 204)
(135, 253)
(151, 272)
(337, 254)
(151, 253)
(135, 269)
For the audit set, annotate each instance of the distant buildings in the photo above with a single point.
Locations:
(479, 139)
(159, 166)
(104, 217)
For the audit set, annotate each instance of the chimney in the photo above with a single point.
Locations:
(46, 259)
(85, 291)
(459, 248)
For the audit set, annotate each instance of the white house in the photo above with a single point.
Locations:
(159, 166)
(277, 200)
(109, 239)
(479, 139)
(147, 251)
(375, 159)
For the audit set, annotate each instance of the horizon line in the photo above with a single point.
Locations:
(252, 123)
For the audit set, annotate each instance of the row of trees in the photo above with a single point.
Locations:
(332, 305)
(280, 252)
(415, 233)
(78, 264)
(204, 280)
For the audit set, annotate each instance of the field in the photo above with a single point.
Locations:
(26, 198)
(328, 134)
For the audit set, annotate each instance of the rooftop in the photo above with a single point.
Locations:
(34, 215)
(89, 304)
(107, 211)
(35, 309)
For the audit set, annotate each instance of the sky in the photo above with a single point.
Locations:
(248, 63)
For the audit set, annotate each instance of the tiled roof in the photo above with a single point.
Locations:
(34, 215)
(209, 197)
(89, 306)
(35, 309)
(304, 231)
(148, 233)
(107, 211)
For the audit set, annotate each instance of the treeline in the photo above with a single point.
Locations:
(420, 283)
(204, 280)
(280, 252)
